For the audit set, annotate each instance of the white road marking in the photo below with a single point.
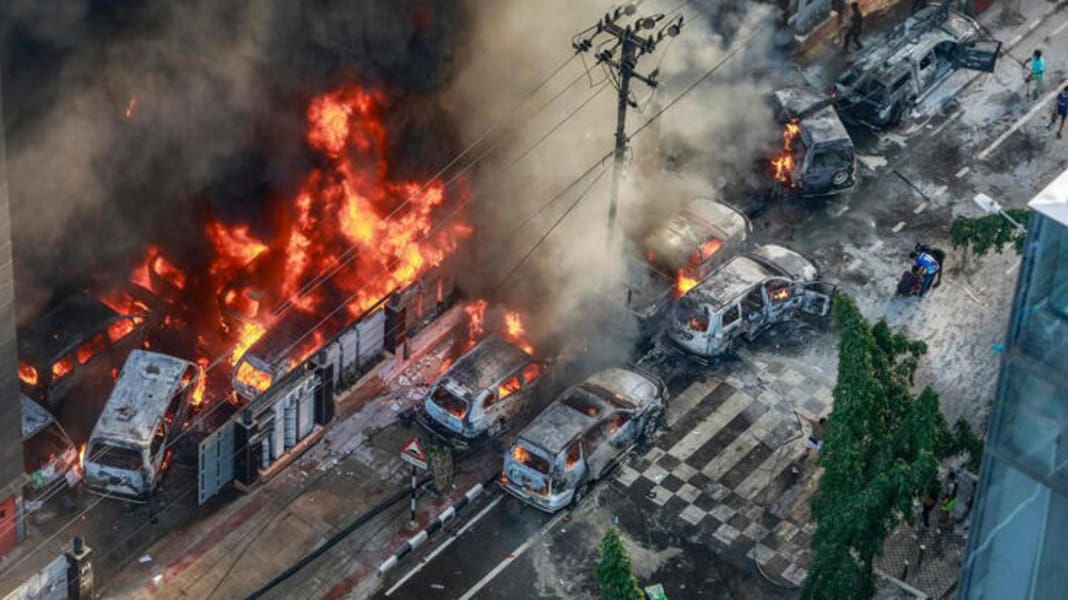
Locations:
(1059, 28)
(878, 244)
(900, 225)
(1043, 103)
(1035, 23)
(951, 118)
(1012, 42)
(964, 171)
(1010, 270)
(840, 211)
(429, 557)
(511, 557)
(919, 209)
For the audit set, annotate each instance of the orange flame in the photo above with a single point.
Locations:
(130, 107)
(684, 283)
(61, 367)
(476, 314)
(253, 377)
(250, 333)
(783, 165)
(123, 303)
(515, 332)
(166, 269)
(89, 349)
(509, 387)
(119, 329)
(202, 382)
(81, 456)
(27, 373)
(532, 371)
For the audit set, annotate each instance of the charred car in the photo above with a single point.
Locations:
(889, 78)
(746, 296)
(49, 456)
(686, 247)
(818, 158)
(481, 395)
(581, 436)
(129, 446)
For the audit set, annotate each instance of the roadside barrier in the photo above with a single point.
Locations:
(417, 540)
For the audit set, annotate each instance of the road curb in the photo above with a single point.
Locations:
(418, 539)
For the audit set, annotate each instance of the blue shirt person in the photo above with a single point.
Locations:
(929, 266)
(1061, 110)
(1036, 80)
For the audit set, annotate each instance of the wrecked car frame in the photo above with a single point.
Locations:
(581, 436)
(819, 158)
(746, 296)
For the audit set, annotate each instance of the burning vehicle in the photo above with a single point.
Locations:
(481, 395)
(817, 157)
(581, 436)
(48, 452)
(128, 450)
(683, 250)
(746, 296)
(78, 337)
(888, 79)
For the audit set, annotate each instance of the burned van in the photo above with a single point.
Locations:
(50, 458)
(482, 393)
(686, 247)
(746, 296)
(890, 77)
(144, 414)
(581, 436)
(817, 158)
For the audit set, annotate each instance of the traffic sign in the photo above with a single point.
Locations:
(412, 453)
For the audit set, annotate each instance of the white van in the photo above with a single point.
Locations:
(144, 413)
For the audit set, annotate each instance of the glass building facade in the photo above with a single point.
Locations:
(1018, 544)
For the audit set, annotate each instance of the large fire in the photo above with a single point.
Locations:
(684, 283)
(27, 373)
(515, 332)
(350, 236)
(783, 165)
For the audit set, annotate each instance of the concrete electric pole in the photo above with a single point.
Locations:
(630, 45)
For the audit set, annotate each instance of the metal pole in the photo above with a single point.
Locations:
(626, 69)
(412, 504)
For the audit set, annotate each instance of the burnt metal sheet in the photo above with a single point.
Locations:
(34, 417)
(140, 398)
(558, 424)
(730, 281)
(486, 364)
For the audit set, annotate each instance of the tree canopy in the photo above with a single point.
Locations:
(614, 572)
(990, 232)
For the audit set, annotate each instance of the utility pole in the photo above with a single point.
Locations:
(631, 46)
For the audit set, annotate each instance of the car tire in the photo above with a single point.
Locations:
(651, 425)
(840, 178)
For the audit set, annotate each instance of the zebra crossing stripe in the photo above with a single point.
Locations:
(681, 405)
(772, 467)
(711, 425)
(749, 439)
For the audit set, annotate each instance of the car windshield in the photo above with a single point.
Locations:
(117, 457)
(530, 460)
(43, 447)
(874, 92)
(449, 402)
(689, 312)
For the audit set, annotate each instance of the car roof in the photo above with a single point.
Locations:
(485, 365)
(918, 34)
(559, 424)
(676, 239)
(731, 280)
(814, 112)
(140, 397)
(74, 320)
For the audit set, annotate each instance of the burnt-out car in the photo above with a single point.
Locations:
(818, 157)
(81, 338)
(746, 296)
(585, 432)
(687, 246)
(888, 78)
(49, 456)
(482, 394)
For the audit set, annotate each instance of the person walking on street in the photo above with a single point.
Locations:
(930, 269)
(1061, 110)
(949, 500)
(1036, 80)
(814, 442)
(856, 25)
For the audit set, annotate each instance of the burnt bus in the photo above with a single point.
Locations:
(78, 338)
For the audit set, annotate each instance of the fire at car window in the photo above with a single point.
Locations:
(778, 291)
(574, 453)
(449, 403)
(582, 403)
(508, 387)
(27, 373)
(61, 367)
(253, 377)
(88, 349)
(692, 315)
(530, 460)
(532, 371)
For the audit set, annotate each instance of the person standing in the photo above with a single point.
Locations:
(814, 442)
(929, 265)
(949, 500)
(1061, 110)
(856, 25)
(937, 254)
(1036, 80)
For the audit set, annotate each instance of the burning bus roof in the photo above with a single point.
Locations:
(74, 320)
(486, 364)
(135, 405)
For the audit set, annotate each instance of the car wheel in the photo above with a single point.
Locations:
(651, 425)
(840, 178)
(580, 493)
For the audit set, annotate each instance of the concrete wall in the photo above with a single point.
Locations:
(11, 423)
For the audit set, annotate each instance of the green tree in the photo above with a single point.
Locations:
(614, 573)
(879, 453)
(982, 234)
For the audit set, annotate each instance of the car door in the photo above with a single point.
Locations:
(926, 71)
(978, 56)
(504, 402)
(780, 298)
(754, 311)
(817, 297)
